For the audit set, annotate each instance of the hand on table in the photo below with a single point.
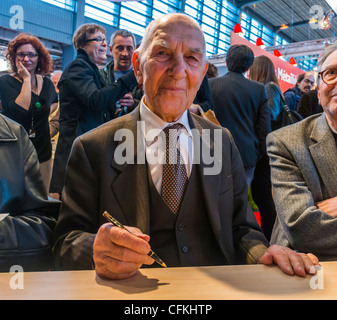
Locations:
(118, 254)
(289, 261)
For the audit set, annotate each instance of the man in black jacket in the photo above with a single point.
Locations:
(241, 106)
(27, 218)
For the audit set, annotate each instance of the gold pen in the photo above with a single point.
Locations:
(119, 225)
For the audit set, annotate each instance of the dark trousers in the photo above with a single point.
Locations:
(262, 196)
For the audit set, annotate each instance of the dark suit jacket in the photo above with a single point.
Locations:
(308, 104)
(26, 233)
(95, 182)
(240, 105)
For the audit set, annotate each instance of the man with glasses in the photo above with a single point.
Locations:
(122, 46)
(292, 96)
(303, 161)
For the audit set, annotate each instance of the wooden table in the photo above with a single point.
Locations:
(201, 283)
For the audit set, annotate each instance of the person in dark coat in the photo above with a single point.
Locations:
(308, 104)
(240, 105)
(85, 100)
(27, 217)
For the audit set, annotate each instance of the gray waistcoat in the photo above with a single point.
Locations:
(185, 239)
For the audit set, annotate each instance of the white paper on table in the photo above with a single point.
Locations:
(3, 215)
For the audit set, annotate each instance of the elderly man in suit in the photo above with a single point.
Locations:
(240, 105)
(188, 215)
(303, 161)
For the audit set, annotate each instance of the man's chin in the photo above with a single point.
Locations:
(125, 65)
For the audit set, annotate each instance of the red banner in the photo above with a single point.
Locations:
(286, 73)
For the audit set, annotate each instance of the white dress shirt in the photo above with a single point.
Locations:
(155, 146)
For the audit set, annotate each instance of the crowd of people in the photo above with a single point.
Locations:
(61, 148)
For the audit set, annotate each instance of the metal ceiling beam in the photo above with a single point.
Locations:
(304, 48)
(242, 4)
(292, 25)
(265, 22)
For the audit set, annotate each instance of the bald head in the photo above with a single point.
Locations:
(156, 27)
(171, 64)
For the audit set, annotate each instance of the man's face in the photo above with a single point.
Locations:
(307, 83)
(327, 94)
(172, 69)
(122, 50)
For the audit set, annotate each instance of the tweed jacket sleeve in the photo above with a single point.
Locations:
(303, 158)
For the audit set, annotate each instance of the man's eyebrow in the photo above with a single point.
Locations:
(196, 50)
(332, 66)
(160, 43)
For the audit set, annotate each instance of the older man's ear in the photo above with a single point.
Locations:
(136, 68)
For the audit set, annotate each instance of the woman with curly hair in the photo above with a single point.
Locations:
(27, 94)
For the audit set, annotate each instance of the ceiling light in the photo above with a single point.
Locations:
(237, 29)
(284, 26)
(293, 62)
(325, 23)
(277, 53)
(260, 43)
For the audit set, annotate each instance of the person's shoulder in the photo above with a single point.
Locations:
(205, 124)
(5, 78)
(215, 80)
(255, 84)
(79, 63)
(47, 80)
(290, 92)
(108, 130)
(272, 85)
(296, 132)
(10, 129)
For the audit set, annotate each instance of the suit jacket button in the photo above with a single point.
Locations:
(180, 227)
(184, 249)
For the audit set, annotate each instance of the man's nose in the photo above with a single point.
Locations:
(178, 67)
(125, 52)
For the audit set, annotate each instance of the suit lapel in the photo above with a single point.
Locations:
(324, 154)
(209, 183)
(130, 186)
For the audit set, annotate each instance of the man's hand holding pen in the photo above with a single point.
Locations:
(118, 254)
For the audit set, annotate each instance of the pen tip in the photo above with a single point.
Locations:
(164, 265)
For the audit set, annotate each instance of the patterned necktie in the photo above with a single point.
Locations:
(174, 173)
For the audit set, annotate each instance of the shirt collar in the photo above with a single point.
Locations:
(152, 121)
